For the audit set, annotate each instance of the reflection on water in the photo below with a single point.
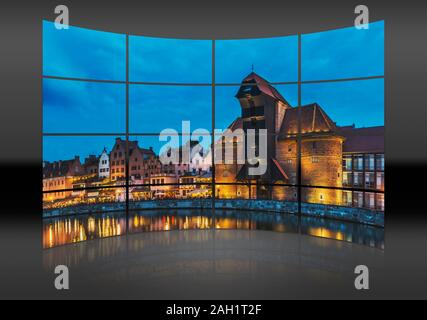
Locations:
(64, 230)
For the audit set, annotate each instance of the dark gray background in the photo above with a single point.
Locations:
(21, 105)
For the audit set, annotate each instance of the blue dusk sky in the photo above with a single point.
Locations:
(83, 53)
(275, 59)
(153, 108)
(343, 53)
(66, 147)
(170, 60)
(349, 102)
(83, 107)
(93, 107)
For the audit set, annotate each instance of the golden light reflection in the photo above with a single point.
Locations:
(326, 233)
(77, 229)
(61, 231)
(166, 223)
(136, 222)
(91, 224)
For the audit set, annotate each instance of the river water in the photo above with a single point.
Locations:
(72, 229)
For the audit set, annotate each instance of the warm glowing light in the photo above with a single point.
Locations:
(91, 224)
(135, 221)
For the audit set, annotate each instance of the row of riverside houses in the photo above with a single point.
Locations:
(109, 169)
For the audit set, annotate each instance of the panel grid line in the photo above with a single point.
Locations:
(213, 185)
(224, 84)
(299, 139)
(127, 134)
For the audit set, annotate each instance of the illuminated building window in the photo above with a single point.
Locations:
(357, 179)
(369, 180)
(358, 162)
(380, 201)
(380, 162)
(347, 198)
(369, 162)
(370, 200)
(347, 162)
(358, 199)
(380, 181)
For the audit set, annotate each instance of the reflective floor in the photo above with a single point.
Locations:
(177, 254)
(72, 229)
(213, 264)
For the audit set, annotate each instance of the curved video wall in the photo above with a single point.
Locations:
(137, 130)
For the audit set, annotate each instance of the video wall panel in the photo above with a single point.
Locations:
(136, 123)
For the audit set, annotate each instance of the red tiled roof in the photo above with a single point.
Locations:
(133, 145)
(236, 124)
(264, 86)
(313, 119)
(91, 160)
(370, 139)
(59, 168)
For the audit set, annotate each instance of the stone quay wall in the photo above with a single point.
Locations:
(358, 215)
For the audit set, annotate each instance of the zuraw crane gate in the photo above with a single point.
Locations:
(324, 145)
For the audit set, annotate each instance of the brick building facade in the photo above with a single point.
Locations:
(59, 176)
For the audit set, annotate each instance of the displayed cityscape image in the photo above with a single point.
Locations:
(319, 99)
